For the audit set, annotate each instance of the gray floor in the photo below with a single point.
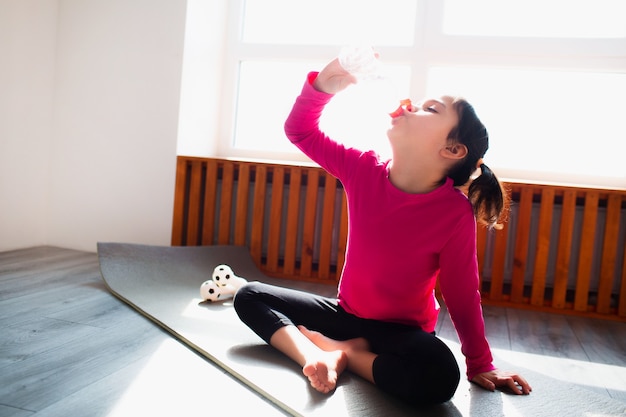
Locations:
(68, 347)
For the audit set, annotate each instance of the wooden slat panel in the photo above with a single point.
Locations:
(621, 306)
(609, 253)
(275, 221)
(258, 214)
(193, 212)
(291, 232)
(522, 236)
(546, 210)
(564, 248)
(328, 224)
(585, 256)
(241, 208)
(226, 202)
(210, 202)
(496, 292)
(179, 201)
(308, 228)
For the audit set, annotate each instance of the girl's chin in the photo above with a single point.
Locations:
(392, 131)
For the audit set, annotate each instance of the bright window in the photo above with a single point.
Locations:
(546, 124)
(329, 22)
(535, 18)
(547, 77)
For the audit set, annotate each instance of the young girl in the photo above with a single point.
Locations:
(408, 226)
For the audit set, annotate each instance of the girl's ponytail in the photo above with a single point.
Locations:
(488, 198)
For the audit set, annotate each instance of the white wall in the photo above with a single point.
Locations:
(27, 50)
(99, 145)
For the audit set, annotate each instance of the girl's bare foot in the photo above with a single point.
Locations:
(324, 371)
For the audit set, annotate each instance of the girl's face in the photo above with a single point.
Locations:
(423, 129)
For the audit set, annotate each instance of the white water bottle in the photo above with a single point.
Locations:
(364, 64)
(360, 61)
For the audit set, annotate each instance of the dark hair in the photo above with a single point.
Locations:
(486, 193)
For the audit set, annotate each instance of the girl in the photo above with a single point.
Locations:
(408, 226)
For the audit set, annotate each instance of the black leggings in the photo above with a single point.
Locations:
(411, 364)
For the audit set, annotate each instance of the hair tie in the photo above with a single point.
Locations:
(479, 163)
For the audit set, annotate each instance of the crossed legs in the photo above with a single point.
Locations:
(324, 340)
(279, 316)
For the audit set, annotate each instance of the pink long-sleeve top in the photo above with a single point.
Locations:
(399, 243)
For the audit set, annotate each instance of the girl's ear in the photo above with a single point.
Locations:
(455, 151)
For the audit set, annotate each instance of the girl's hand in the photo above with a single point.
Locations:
(496, 378)
(333, 78)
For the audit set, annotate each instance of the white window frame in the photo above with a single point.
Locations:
(431, 47)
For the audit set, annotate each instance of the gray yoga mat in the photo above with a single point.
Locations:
(163, 284)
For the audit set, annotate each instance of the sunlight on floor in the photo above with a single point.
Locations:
(578, 372)
(147, 392)
(176, 382)
(580, 378)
